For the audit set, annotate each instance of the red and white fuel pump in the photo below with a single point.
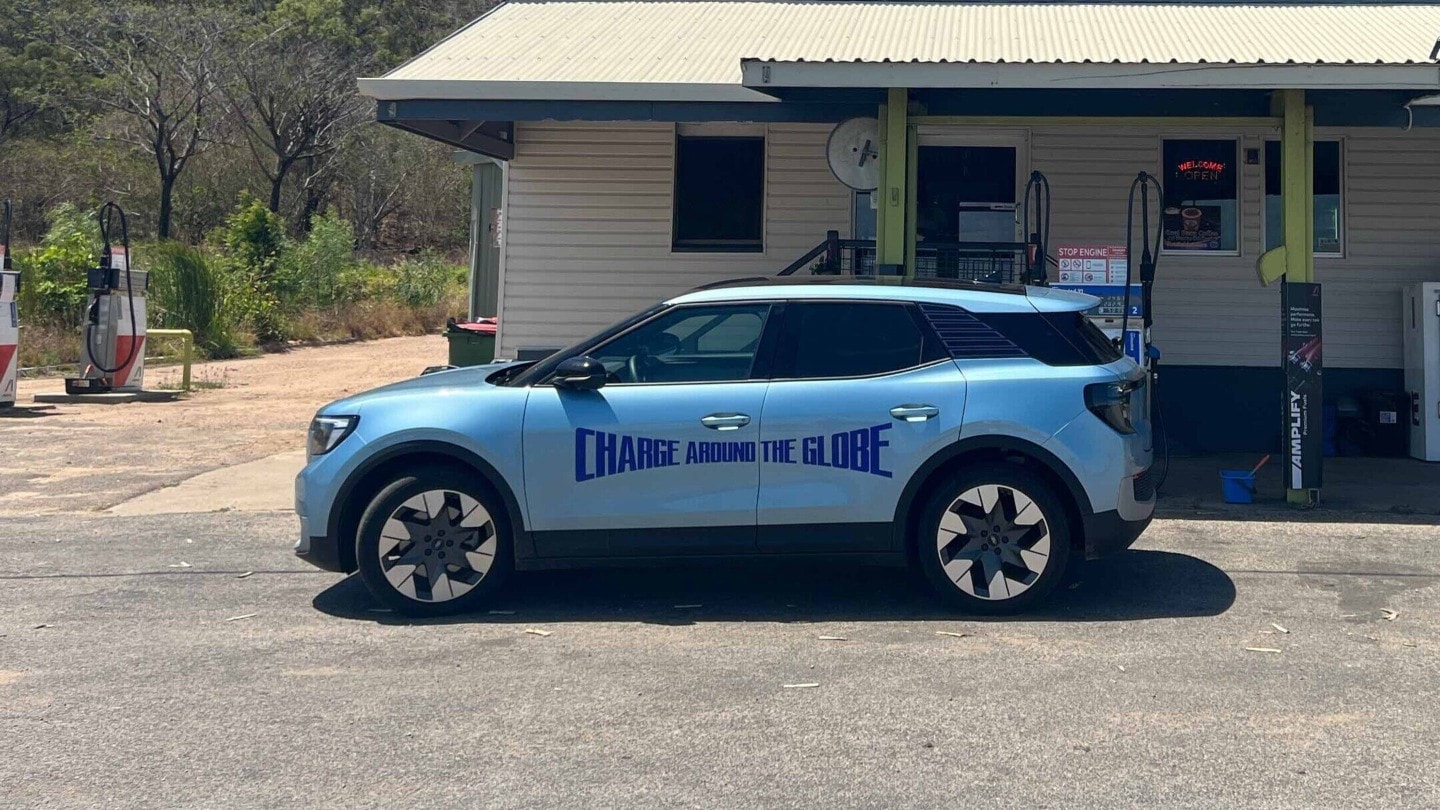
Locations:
(114, 339)
(9, 318)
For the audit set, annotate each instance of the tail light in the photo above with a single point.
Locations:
(1111, 401)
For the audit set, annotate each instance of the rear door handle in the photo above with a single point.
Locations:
(725, 421)
(914, 413)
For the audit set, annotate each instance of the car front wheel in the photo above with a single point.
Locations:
(434, 542)
(994, 539)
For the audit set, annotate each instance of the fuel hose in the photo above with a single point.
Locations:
(108, 215)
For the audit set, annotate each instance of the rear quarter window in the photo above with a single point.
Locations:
(1053, 338)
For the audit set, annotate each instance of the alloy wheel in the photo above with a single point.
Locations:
(437, 546)
(993, 541)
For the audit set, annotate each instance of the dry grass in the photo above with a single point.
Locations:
(371, 320)
(48, 345)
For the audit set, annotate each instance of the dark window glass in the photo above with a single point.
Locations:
(1328, 219)
(688, 344)
(719, 194)
(849, 340)
(1053, 338)
(1202, 195)
(965, 194)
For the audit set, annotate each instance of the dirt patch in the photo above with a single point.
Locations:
(70, 458)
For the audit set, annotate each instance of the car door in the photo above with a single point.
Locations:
(662, 459)
(862, 394)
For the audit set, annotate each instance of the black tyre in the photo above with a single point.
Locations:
(994, 539)
(434, 541)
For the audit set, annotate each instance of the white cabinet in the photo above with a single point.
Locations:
(1422, 368)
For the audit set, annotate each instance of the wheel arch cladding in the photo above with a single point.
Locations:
(978, 450)
(372, 476)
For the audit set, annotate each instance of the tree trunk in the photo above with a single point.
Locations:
(275, 184)
(167, 205)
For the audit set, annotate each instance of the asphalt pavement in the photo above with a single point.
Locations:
(188, 660)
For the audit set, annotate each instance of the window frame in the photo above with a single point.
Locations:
(760, 367)
(1344, 228)
(932, 352)
(1239, 141)
(719, 133)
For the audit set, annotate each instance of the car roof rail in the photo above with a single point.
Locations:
(898, 281)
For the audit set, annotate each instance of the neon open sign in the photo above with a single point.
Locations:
(1200, 169)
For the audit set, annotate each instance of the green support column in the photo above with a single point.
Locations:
(912, 199)
(891, 222)
(1297, 197)
(1297, 148)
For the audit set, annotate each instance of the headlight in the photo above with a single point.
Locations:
(326, 432)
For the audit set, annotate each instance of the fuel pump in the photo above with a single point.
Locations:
(1036, 213)
(114, 339)
(1109, 273)
(1143, 187)
(9, 317)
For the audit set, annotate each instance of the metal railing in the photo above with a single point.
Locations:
(995, 262)
(187, 350)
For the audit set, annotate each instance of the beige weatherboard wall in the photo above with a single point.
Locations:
(589, 218)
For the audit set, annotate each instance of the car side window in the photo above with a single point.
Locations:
(849, 339)
(688, 344)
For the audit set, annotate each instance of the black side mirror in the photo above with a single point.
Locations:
(580, 373)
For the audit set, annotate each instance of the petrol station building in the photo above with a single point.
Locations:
(627, 151)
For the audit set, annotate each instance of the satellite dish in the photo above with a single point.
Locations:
(854, 153)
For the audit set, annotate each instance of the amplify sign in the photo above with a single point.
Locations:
(599, 454)
(1303, 390)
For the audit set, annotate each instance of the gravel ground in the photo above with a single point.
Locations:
(189, 660)
(69, 458)
(1134, 688)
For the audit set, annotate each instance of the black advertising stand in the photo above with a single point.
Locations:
(1303, 427)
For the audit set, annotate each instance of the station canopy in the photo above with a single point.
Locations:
(729, 51)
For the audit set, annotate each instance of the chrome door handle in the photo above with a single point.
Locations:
(725, 421)
(914, 413)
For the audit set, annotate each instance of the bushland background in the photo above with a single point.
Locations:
(267, 205)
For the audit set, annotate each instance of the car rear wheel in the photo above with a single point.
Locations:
(434, 542)
(994, 539)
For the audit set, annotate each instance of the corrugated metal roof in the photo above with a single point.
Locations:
(703, 42)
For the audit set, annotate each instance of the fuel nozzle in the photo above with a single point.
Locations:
(5, 263)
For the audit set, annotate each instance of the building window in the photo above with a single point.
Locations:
(1202, 196)
(719, 194)
(1329, 220)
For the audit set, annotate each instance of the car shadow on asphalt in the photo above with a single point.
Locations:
(1138, 584)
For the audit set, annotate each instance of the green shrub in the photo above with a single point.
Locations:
(254, 245)
(253, 237)
(318, 270)
(187, 291)
(426, 281)
(54, 288)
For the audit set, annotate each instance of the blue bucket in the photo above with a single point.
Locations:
(1237, 486)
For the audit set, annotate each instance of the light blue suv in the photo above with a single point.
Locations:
(985, 433)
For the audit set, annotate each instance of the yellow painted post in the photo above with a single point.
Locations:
(1297, 188)
(890, 218)
(912, 199)
(187, 350)
(1297, 200)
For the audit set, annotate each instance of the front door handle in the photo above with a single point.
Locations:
(725, 421)
(914, 413)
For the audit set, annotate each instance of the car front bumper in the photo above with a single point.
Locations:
(319, 550)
